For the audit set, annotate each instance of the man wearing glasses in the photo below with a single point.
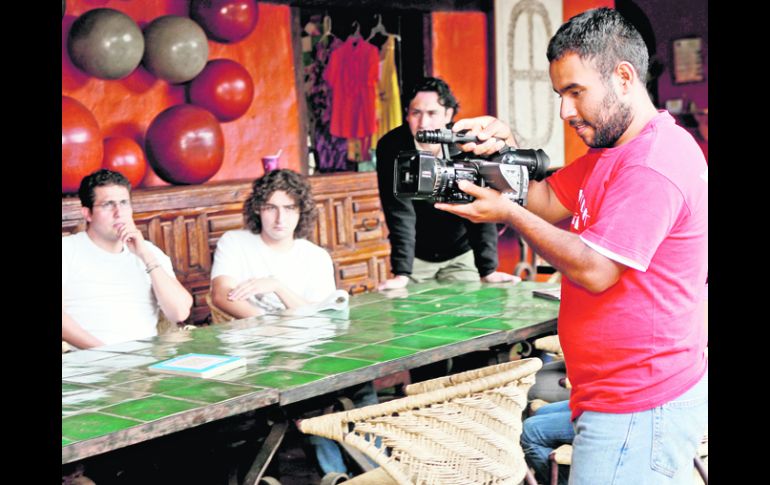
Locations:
(114, 282)
(270, 266)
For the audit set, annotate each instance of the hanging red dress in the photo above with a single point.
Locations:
(353, 73)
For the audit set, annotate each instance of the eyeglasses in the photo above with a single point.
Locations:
(272, 209)
(112, 205)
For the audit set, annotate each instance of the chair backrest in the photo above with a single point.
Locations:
(217, 314)
(459, 429)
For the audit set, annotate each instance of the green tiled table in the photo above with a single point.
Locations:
(110, 400)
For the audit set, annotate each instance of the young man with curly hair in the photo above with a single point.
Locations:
(270, 266)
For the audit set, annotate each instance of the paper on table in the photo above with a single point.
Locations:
(338, 300)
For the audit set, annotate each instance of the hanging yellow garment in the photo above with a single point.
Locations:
(389, 102)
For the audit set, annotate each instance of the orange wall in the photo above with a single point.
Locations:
(573, 145)
(455, 35)
(126, 107)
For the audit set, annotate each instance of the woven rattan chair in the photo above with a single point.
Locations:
(217, 314)
(459, 429)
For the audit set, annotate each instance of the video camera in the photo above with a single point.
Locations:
(422, 176)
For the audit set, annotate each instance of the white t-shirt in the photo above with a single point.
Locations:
(306, 269)
(109, 294)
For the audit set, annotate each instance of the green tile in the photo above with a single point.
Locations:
(91, 425)
(483, 310)
(281, 379)
(68, 388)
(158, 384)
(289, 360)
(109, 377)
(211, 391)
(378, 353)
(493, 324)
(330, 347)
(334, 365)
(442, 320)
(394, 316)
(419, 297)
(92, 399)
(445, 290)
(411, 306)
(493, 292)
(150, 408)
(456, 334)
(419, 342)
(365, 337)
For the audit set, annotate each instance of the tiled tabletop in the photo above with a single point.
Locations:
(111, 400)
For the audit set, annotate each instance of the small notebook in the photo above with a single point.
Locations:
(548, 293)
(198, 365)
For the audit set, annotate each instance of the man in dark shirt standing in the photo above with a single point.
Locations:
(427, 243)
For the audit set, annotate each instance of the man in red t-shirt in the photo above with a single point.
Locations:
(634, 262)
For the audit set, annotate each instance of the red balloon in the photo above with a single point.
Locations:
(81, 144)
(224, 87)
(185, 145)
(225, 20)
(124, 155)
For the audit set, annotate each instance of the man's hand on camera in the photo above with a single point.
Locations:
(494, 134)
(500, 277)
(398, 281)
(489, 206)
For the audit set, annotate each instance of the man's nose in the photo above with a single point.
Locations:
(567, 109)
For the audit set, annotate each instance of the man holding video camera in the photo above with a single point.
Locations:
(426, 243)
(634, 262)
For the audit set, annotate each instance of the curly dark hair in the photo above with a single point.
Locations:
(100, 178)
(438, 86)
(603, 36)
(294, 185)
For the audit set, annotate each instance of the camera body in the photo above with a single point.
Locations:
(420, 175)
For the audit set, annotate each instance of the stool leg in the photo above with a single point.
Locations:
(704, 474)
(554, 470)
(529, 478)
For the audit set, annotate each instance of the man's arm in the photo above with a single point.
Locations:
(233, 298)
(174, 300)
(74, 334)
(564, 250)
(400, 217)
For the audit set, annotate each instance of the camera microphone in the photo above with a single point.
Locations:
(444, 136)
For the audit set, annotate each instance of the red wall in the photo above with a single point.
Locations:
(455, 33)
(126, 107)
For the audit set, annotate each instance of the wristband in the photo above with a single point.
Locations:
(151, 267)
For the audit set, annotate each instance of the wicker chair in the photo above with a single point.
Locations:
(459, 429)
(217, 314)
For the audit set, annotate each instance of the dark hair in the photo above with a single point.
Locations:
(438, 86)
(294, 185)
(100, 178)
(604, 36)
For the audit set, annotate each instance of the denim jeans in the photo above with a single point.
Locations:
(649, 447)
(549, 428)
(327, 451)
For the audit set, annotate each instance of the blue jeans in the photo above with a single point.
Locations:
(649, 447)
(549, 428)
(327, 451)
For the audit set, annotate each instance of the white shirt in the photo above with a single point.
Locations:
(109, 294)
(306, 269)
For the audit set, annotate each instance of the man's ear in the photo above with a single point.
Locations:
(450, 113)
(86, 213)
(627, 75)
